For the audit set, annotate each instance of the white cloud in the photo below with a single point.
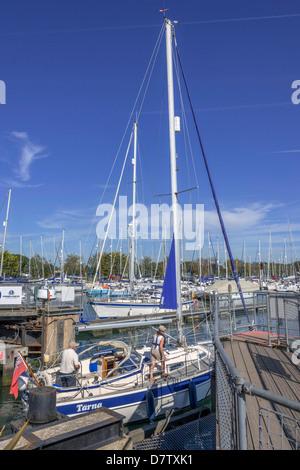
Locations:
(13, 183)
(20, 135)
(29, 152)
(239, 218)
(283, 151)
(62, 218)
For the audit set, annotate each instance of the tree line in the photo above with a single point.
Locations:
(116, 265)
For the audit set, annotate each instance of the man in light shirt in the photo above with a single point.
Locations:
(69, 365)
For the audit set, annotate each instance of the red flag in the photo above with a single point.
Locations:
(20, 367)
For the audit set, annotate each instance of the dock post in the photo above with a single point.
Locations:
(59, 330)
(269, 321)
(242, 412)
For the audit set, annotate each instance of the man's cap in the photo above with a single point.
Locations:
(161, 328)
(73, 344)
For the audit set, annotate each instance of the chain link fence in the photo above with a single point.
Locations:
(226, 406)
(198, 435)
(274, 437)
(284, 318)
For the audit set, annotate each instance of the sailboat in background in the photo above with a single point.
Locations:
(139, 301)
(4, 235)
(117, 375)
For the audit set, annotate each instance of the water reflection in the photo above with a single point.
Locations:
(10, 409)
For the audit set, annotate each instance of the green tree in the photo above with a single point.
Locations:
(72, 265)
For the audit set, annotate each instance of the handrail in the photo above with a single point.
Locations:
(251, 389)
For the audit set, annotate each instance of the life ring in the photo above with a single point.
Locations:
(44, 378)
(196, 303)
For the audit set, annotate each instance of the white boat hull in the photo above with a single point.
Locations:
(127, 309)
(127, 390)
(133, 405)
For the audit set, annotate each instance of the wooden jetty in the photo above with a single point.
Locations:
(271, 368)
(18, 313)
(101, 429)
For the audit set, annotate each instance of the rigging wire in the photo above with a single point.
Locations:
(112, 211)
(154, 54)
(213, 190)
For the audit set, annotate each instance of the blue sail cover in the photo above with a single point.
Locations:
(169, 292)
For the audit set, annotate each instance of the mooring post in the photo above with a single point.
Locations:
(239, 382)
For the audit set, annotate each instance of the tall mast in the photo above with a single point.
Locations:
(269, 256)
(54, 256)
(209, 257)
(80, 261)
(285, 259)
(245, 260)
(169, 31)
(21, 249)
(291, 247)
(132, 259)
(121, 234)
(218, 258)
(5, 229)
(225, 255)
(42, 253)
(62, 256)
(29, 267)
(200, 257)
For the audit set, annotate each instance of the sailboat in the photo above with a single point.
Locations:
(116, 375)
(139, 301)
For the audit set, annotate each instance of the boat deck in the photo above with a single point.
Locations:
(269, 368)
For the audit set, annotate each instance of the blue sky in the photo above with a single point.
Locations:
(72, 72)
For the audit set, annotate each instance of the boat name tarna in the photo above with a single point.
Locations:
(82, 408)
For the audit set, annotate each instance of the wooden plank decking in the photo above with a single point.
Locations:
(269, 368)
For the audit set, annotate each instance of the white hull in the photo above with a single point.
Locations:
(126, 309)
(127, 389)
(137, 409)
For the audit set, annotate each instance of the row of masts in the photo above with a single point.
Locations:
(274, 268)
(213, 265)
(43, 259)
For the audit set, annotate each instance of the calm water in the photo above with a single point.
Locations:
(10, 410)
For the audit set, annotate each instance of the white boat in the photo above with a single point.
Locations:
(137, 307)
(117, 376)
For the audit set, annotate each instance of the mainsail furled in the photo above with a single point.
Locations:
(169, 292)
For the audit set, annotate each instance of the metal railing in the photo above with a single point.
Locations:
(284, 318)
(232, 388)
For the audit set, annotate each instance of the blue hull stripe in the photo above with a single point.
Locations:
(129, 398)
